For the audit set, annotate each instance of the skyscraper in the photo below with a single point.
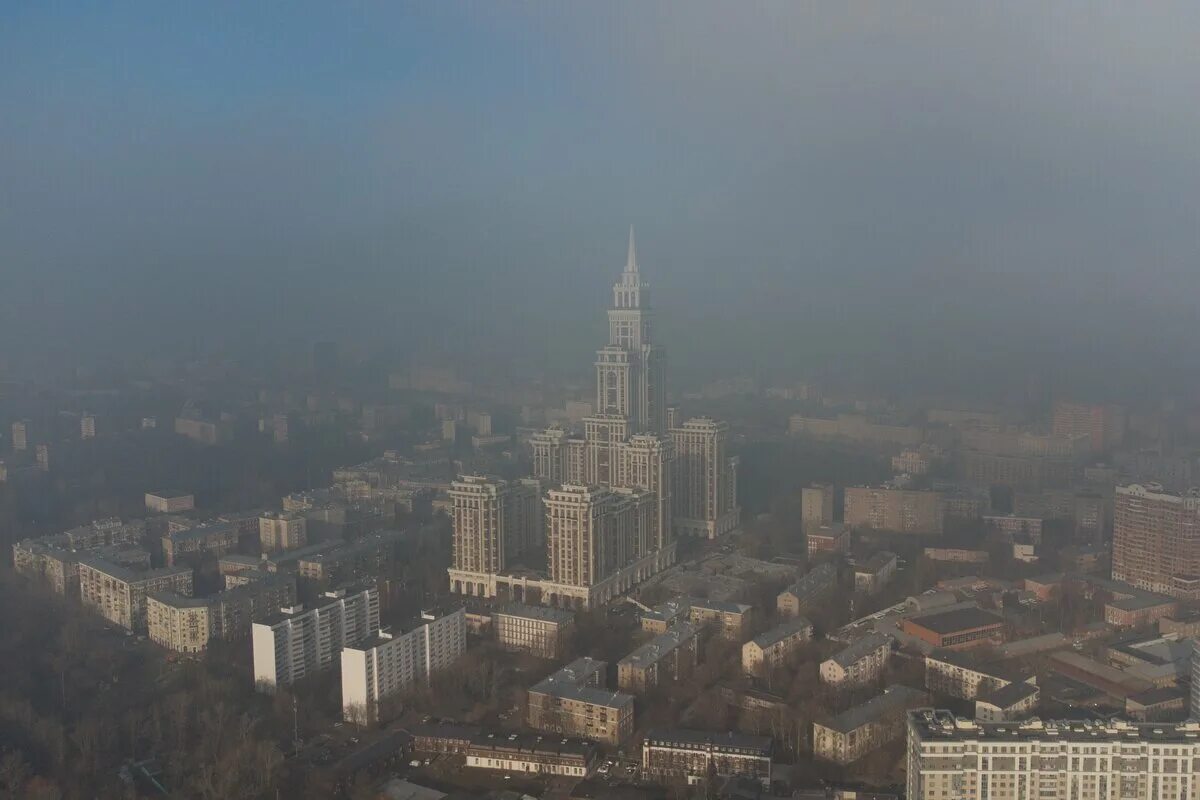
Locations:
(705, 491)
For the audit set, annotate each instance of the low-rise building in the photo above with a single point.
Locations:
(1184, 625)
(1139, 610)
(829, 539)
(955, 674)
(531, 754)
(198, 541)
(1153, 705)
(1014, 701)
(119, 594)
(443, 737)
(816, 585)
(956, 555)
(860, 663)
(771, 648)
(875, 573)
(731, 620)
(388, 662)
(668, 656)
(1011, 526)
(852, 734)
(359, 560)
(170, 502)
(572, 702)
(691, 754)
(957, 629)
(541, 630)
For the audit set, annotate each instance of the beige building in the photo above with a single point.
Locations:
(814, 587)
(852, 734)
(730, 620)
(871, 576)
(592, 531)
(119, 594)
(861, 663)
(182, 624)
(170, 502)
(203, 539)
(188, 624)
(705, 491)
(572, 702)
(893, 510)
(954, 674)
(770, 649)
(544, 632)
(530, 754)
(952, 757)
(816, 506)
(668, 656)
(495, 522)
(699, 755)
(1156, 538)
(283, 530)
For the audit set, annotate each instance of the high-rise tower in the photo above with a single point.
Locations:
(631, 369)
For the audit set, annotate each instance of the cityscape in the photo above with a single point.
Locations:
(320, 476)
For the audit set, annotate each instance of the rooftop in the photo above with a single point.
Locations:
(660, 645)
(893, 698)
(730, 740)
(533, 743)
(941, 725)
(544, 613)
(1153, 697)
(964, 661)
(876, 562)
(781, 632)
(960, 619)
(1008, 696)
(860, 649)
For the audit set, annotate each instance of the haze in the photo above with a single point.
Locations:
(948, 189)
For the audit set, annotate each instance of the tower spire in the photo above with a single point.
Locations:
(631, 264)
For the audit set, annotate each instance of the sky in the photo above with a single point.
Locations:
(898, 189)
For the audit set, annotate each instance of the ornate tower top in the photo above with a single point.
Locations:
(631, 292)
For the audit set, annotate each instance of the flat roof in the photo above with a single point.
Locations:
(544, 613)
(893, 697)
(959, 619)
(991, 668)
(941, 725)
(723, 739)
(168, 494)
(533, 744)
(1153, 697)
(1008, 696)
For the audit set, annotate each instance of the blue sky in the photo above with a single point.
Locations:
(459, 176)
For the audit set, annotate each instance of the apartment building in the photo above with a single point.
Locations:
(770, 649)
(1015, 701)
(692, 754)
(893, 510)
(871, 576)
(389, 662)
(815, 586)
(858, 664)
(119, 594)
(531, 754)
(730, 620)
(668, 656)
(298, 642)
(543, 631)
(198, 541)
(572, 702)
(1156, 538)
(170, 501)
(282, 530)
(356, 561)
(816, 506)
(188, 624)
(857, 731)
(704, 493)
(950, 757)
(955, 674)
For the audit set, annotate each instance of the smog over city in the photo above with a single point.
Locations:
(600, 400)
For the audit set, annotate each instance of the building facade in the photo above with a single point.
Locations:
(698, 755)
(119, 594)
(770, 649)
(861, 663)
(387, 662)
(283, 530)
(1156, 538)
(670, 656)
(298, 642)
(572, 701)
(544, 632)
(893, 510)
(705, 491)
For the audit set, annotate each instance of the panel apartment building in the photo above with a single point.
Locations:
(298, 642)
(390, 662)
(119, 594)
(573, 702)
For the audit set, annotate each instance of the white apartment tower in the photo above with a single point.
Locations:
(387, 662)
(299, 642)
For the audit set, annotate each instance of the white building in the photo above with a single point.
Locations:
(299, 642)
(951, 757)
(389, 662)
(170, 502)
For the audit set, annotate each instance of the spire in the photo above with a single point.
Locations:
(631, 264)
